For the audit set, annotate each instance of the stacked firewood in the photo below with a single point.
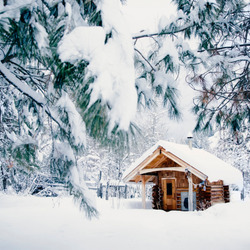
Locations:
(203, 205)
(203, 198)
(226, 194)
(157, 197)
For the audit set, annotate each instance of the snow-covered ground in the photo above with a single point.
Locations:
(56, 223)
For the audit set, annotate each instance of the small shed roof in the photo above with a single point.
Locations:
(208, 164)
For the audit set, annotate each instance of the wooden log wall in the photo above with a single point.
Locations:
(217, 191)
(212, 193)
(217, 194)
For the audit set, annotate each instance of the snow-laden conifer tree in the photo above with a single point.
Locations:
(211, 40)
(71, 66)
(235, 151)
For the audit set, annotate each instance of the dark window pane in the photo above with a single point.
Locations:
(186, 203)
(169, 189)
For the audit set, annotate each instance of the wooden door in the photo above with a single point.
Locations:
(169, 194)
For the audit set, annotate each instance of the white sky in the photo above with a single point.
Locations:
(145, 15)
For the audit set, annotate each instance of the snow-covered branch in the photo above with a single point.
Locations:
(151, 66)
(138, 36)
(23, 87)
(226, 47)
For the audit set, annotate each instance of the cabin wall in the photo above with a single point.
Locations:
(181, 185)
(212, 193)
(205, 195)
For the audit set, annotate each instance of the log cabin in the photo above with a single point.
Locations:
(183, 178)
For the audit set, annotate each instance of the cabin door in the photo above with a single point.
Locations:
(169, 194)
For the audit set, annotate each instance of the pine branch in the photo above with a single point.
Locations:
(24, 88)
(183, 29)
(160, 33)
(226, 47)
(27, 74)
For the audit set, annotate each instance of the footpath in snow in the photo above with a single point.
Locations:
(56, 223)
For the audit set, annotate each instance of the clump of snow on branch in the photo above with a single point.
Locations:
(62, 150)
(77, 126)
(72, 20)
(20, 140)
(12, 9)
(41, 36)
(114, 68)
(111, 64)
(79, 185)
(168, 48)
(83, 43)
(144, 89)
(163, 80)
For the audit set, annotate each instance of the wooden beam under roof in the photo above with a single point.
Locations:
(151, 178)
(144, 163)
(158, 160)
(149, 170)
(137, 178)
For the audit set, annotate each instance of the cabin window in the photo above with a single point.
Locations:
(169, 189)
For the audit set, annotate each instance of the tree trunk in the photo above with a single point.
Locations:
(107, 191)
(126, 192)
(4, 179)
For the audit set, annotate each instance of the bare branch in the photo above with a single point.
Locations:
(226, 47)
(145, 59)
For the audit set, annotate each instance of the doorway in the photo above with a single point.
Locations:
(169, 194)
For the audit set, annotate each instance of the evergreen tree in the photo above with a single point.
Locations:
(58, 100)
(219, 68)
(235, 151)
(39, 86)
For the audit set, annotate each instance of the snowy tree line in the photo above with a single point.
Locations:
(70, 69)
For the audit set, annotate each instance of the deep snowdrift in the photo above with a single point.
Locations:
(55, 223)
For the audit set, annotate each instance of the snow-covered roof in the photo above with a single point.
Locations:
(207, 163)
